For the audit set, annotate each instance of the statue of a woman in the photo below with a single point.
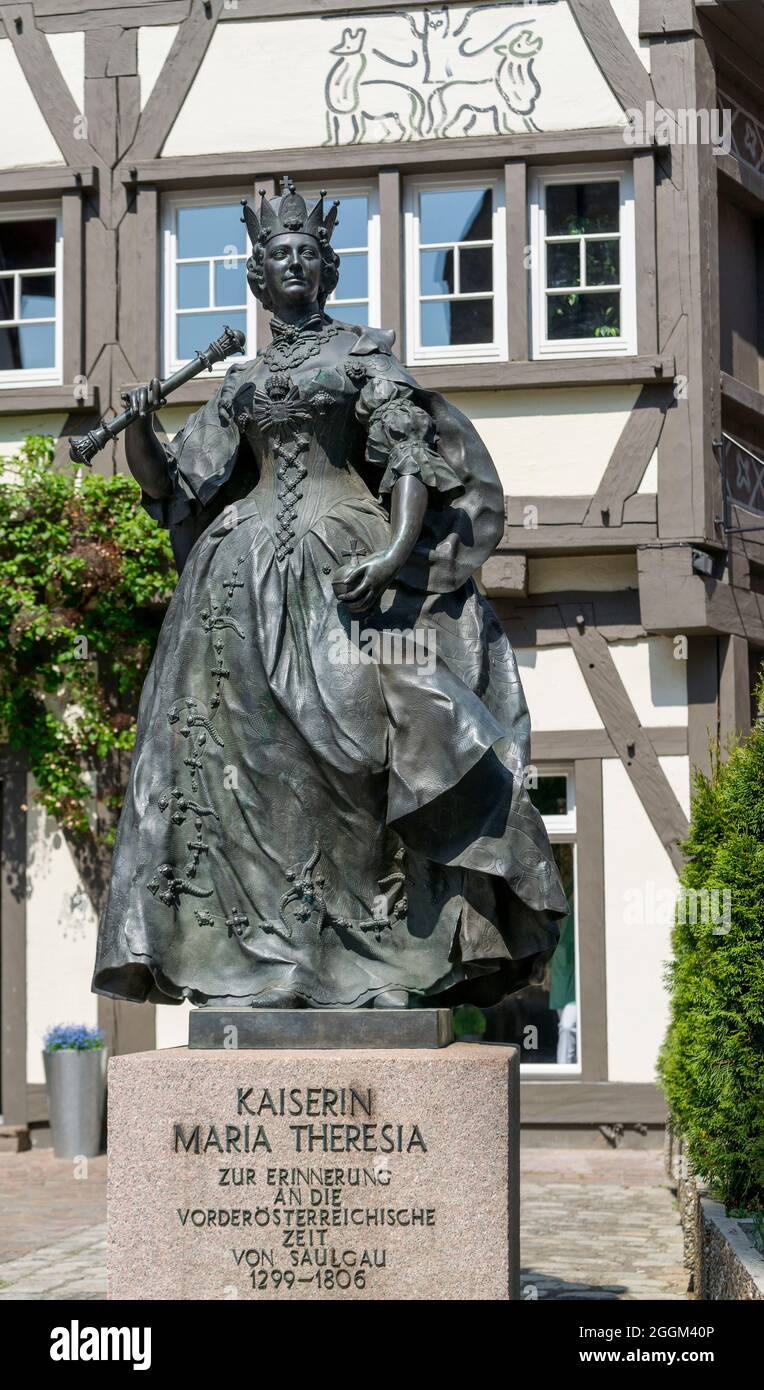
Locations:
(326, 804)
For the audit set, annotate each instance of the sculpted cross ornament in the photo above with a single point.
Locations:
(356, 550)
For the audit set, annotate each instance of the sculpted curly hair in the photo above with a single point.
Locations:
(330, 272)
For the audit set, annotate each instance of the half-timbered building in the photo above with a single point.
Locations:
(558, 207)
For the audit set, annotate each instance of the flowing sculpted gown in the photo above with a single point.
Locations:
(320, 810)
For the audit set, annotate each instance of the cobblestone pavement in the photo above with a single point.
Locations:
(596, 1224)
(599, 1224)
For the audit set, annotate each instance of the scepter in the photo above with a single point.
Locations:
(85, 446)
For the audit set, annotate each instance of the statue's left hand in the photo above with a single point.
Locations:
(358, 587)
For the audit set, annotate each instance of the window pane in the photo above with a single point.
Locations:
(354, 278)
(352, 226)
(38, 296)
(455, 214)
(10, 355)
(550, 797)
(193, 286)
(563, 263)
(549, 1006)
(195, 331)
(581, 207)
(208, 231)
(457, 321)
(6, 297)
(436, 272)
(37, 345)
(436, 324)
(475, 269)
(350, 313)
(27, 245)
(230, 283)
(584, 315)
(603, 264)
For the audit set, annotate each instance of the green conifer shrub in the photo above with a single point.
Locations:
(712, 1063)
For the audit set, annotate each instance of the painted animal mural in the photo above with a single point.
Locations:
(456, 82)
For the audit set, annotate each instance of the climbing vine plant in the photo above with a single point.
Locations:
(85, 577)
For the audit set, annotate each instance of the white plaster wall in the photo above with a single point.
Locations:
(172, 1024)
(640, 889)
(627, 14)
(549, 442)
(15, 428)
(61, 937)
(24, 136)
(69, 52)
(595, 573)
(655, 679)
(154, 43)
(255, 62)
(555, 690)
(649, 481)
(172, 418)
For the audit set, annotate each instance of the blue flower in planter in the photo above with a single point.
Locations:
(73, 1037)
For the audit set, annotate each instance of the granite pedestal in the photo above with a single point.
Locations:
(333, 1174)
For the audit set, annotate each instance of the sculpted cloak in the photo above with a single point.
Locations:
(323, 809)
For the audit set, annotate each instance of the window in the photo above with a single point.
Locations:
(205, 286)
(356, 239)
(455, 272)
(30, 296)
(582, 237)
(542, 1020)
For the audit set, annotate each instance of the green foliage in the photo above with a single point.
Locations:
(469, 1021)
(85, 576)
(712, 1063)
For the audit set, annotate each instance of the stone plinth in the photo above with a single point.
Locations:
(306, 1175)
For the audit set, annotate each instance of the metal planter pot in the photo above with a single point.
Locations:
(76, 1085)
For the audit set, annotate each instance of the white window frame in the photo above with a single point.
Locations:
(498, 350)
(171, 203)
(40, 376)
(373, 248)
(626, 343)
(562, 830)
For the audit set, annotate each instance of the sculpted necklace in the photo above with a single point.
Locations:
(293, 344)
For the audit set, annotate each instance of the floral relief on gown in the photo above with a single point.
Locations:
(305, 823)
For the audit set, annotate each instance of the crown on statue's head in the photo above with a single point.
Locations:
(289, 213)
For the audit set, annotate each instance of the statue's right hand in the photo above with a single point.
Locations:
(144, 400)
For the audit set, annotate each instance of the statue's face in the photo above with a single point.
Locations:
(292, 270)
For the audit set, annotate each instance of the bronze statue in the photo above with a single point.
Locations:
(327, 804)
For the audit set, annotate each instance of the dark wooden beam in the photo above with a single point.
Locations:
(622, 69)
(590, 861)
(391, 252)
(44, 180)
(702, 701)
(630, 457)
(73, 288)
(629, 738)
(174, 81)
(134, 16)
(518, 265)
(574, 1102)
(645, 252)
(339, 162)
(568, 745)
(13, 939)
(46, 80)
